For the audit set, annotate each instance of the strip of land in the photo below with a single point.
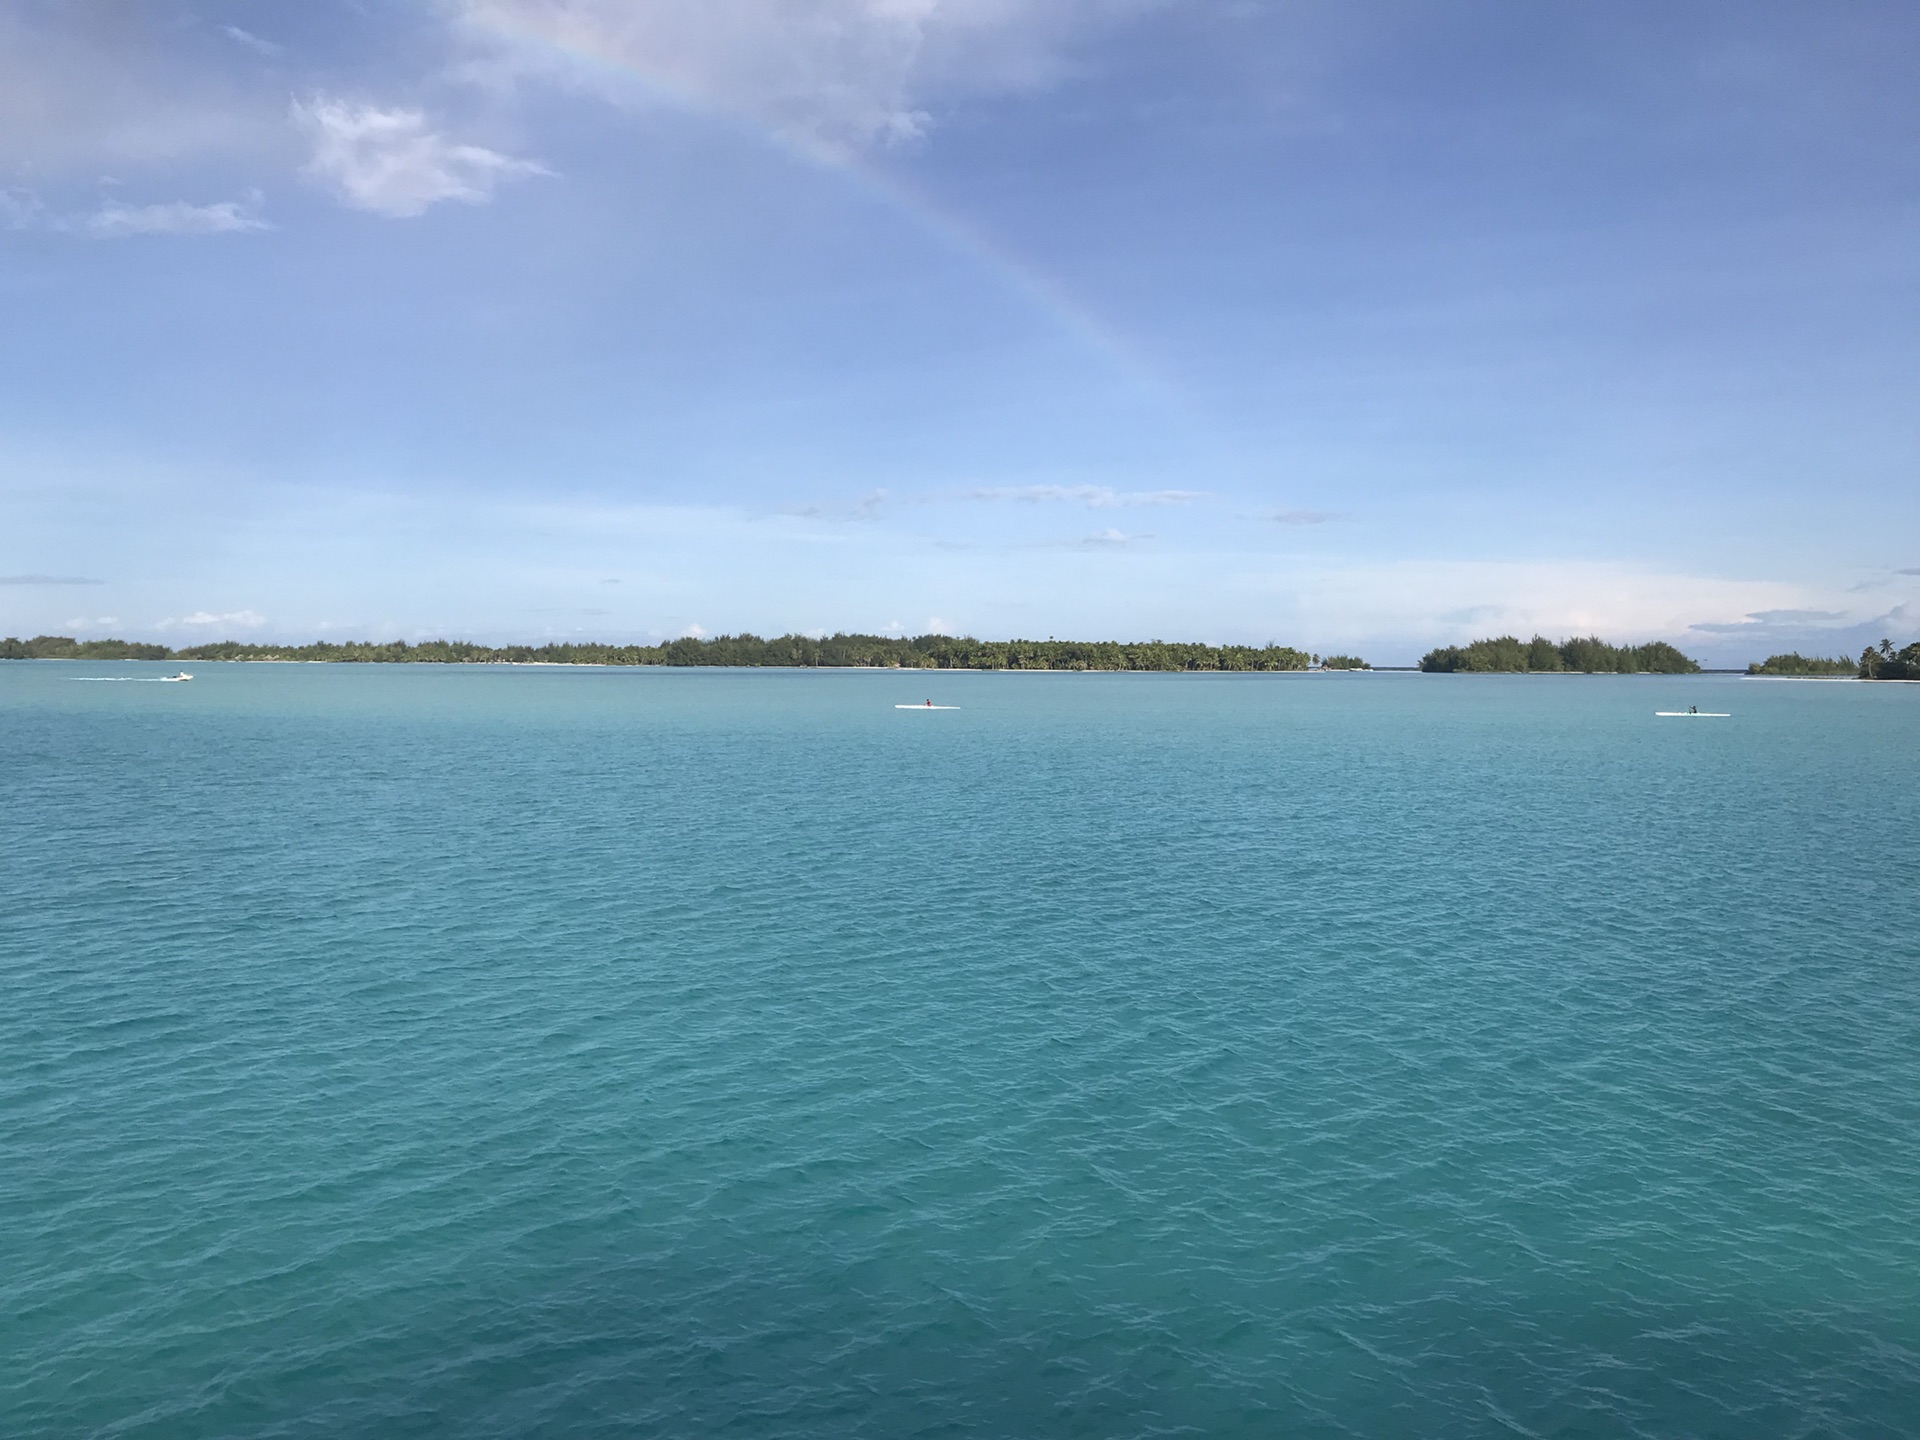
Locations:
(924, 652)
(1796, 666)
(1590, 655)
(1503, 654)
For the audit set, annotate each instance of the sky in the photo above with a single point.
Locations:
(1359, 328)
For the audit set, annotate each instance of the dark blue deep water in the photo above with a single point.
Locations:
(396, 1051)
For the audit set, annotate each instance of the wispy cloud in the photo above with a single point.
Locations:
(1422, 603)
(114, 220)
(48, 580)
(1094, 497)
(1772, 619)
(1914, 571)
(829, 76)
(239, 619)
(869, 506)
(1302, 517)
(252, 41)
(1109, 539)
(393, 163)
(1810, 631)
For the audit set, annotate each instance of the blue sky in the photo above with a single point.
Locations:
(1348, 326)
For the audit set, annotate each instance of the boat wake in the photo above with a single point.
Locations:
(131, 679)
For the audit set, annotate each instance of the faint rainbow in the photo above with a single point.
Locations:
(1037, 288)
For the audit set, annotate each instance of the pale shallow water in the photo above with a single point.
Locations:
(405, 1051)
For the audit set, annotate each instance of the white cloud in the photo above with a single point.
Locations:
(87, 84)
(241, 619)
(870, 506)
(1445, 602)
(113, 219)
(1763, 619)
(252, 41)
(1094, 497)
(830, 76)
(694, 632)
(23, 210)
(392, 163)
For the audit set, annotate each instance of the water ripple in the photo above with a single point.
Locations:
(400, 1052)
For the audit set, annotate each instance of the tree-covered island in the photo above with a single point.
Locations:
(65, 647)
(1507, 655)
(1886, 663)
(1793, 663)
(1876, 662)
(924, 652)
(1502, 655)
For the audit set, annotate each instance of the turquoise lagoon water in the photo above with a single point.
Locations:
(399, 1051)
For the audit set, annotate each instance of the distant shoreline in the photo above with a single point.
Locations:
(1504, 655)
(956, 670)
(840, 651)
(673, 665)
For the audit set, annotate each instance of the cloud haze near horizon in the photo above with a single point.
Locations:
(1230, 321)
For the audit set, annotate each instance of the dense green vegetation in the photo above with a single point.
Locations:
(1591, 655)
(1504, 654)
(1886, 663)
(1794, 663)
(925, 652)
(63, 647)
